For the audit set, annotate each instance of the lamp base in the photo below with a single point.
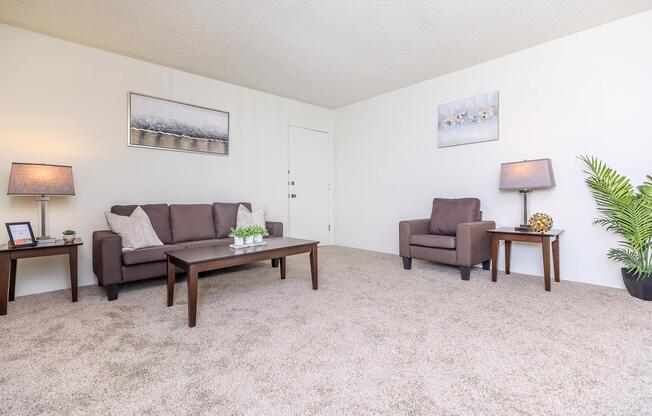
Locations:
(524, 228)
(46, 240)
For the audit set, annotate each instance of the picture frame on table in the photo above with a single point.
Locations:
(20, 234)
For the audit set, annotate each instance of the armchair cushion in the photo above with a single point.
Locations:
(448, 213)
(434, 241)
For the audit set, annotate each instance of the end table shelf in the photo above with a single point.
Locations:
(9, 256)
(545, 239)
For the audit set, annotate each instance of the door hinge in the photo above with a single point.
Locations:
(329, 227)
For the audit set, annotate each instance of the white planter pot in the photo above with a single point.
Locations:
(258, 238)
(238, 241)
(69, 238)
(249, 240)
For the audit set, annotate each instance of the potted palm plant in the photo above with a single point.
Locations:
(626, 211)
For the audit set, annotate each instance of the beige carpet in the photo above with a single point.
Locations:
(374, 340)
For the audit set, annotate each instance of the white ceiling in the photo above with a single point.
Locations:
(326, 52)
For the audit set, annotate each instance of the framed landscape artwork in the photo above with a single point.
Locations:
(170, 125)
(469, 120)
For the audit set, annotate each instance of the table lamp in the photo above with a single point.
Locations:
(524, 177)
(44, 181)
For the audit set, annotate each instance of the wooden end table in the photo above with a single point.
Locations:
(9, 256)
(201, 259)
(545, 239)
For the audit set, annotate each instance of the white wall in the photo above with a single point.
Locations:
(67, 104)
(589, 93)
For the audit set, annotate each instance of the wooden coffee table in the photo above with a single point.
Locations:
(201, 259)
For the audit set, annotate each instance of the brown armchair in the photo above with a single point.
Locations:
(454, 234)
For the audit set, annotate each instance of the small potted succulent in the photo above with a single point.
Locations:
(249, 235)
(69, 236)
(259, 232)
(238, 234)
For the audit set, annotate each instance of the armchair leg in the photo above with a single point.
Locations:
(407, 263)
(112, 292)
(486, 265)
(274, 262)
(466, 272)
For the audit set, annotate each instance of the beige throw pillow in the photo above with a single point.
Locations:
(247, 218)
(136, 230)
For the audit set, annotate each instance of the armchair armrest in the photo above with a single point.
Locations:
(275, 229)
(408, 228)
(473, 242)
(107, 257)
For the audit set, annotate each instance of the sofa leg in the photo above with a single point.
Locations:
(274, 262)
(486, 265)
(407, 263)
(466, 272)
(112, 292)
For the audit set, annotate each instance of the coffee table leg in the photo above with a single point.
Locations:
(494, 257)
(283, 267)
(72, 260)
(192, 297)
(171, 275)
(12, 280)
(314, 267)
(545, 246)
(5, 266)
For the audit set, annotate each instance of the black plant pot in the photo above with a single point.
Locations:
(641, 289)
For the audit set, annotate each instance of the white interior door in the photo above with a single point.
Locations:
(309, 184)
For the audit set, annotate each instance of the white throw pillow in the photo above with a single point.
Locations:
(247, 218)
(136, 230)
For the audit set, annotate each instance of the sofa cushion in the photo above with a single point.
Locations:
(190, 222)
(159, 216)
(136, 230)
(147, 255)
(249, 218)
(225, 214)
(204, 243)
(433, 240)
(447, 213)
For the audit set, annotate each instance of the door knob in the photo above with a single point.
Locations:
(293, 196)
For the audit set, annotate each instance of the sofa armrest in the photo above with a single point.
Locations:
(275, 229)
(408, 228)
(107, 257)
(473, 242)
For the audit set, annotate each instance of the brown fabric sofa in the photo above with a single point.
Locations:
(454, 234)
(177, 226)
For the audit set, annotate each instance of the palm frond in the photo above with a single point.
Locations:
(626, 211)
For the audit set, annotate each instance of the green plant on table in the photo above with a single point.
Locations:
(69, 232)
(626, 211)
(259, 230)
(239, 232)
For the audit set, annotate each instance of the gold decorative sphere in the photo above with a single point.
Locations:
(540, 222)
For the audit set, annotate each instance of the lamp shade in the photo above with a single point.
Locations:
(527, 174)
(40, 179)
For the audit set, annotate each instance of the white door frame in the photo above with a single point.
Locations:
(330, 179)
